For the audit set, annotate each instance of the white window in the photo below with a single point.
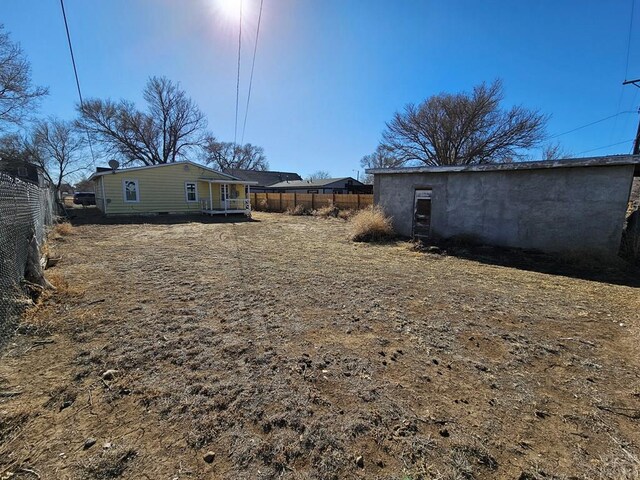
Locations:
(131, 191)
(191, 191)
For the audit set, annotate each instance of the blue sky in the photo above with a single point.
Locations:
(329, 73)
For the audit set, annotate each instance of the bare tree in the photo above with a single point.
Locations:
(319, 175)
(84, 185)
(226, 155)
(381, 158)
(18, 97)
(60, 146)
(554, 151)
(171, 127)
(14, 146)
(463, 129)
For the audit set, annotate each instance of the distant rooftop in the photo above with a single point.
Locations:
(321, 182)
(605, 161)
(264, 178)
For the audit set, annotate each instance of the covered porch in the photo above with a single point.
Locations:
(222, 197)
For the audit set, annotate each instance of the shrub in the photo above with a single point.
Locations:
(328, 211)
(371, 225)
(262, 205)
(630, 247)
(297, 210)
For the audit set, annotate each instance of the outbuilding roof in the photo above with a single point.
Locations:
(605, 161)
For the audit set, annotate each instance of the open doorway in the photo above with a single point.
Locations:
(422, 214)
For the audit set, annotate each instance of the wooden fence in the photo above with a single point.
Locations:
(280, 202)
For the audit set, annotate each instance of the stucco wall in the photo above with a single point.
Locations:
(577, 209)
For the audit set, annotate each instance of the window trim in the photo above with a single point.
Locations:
(124, 190)
(186, 192)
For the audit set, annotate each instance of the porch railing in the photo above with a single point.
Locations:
(228, 204)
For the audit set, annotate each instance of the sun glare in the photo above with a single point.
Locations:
(231, 8)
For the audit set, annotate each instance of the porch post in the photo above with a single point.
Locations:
(249, 195)
(210, 197)
(226, 196)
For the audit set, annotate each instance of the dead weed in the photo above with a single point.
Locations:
(111, 462)
(371, 225)
(63, 229)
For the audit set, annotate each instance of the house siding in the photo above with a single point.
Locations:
(160, 189)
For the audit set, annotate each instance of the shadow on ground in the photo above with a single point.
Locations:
(93, 216)
(616, 272)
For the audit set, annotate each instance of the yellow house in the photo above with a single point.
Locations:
(180, 187)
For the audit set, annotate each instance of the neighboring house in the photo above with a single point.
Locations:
(66, 189)
(23, 170)
(570, 206)
(263, 178)
(325, 185)
(180, 187)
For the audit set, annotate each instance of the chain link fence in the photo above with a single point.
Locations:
(26, 212)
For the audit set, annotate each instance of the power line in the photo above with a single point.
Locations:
(235, 131)
(606, 146)
(626, 68)
(589, 124)
(75, 72)
(253, 64)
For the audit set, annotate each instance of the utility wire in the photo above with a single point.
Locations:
(235, 132)
(626, 68)
(606, 146)
(75, 72)
(589, 124)
(253, 64)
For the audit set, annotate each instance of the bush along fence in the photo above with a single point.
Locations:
(27, 210)
(280, 202)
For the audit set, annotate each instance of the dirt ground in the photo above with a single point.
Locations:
(286, 351)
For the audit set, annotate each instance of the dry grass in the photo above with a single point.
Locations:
(371, 225)
(63, 289)
(623, 467)
(289, 352)
(41, 318)
(346, 214)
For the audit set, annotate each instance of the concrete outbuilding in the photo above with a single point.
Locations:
(569, 206)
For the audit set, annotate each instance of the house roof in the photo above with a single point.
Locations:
(228, 181)
(322, 182)
(102, 171)
(606, 161)
(263, 178)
